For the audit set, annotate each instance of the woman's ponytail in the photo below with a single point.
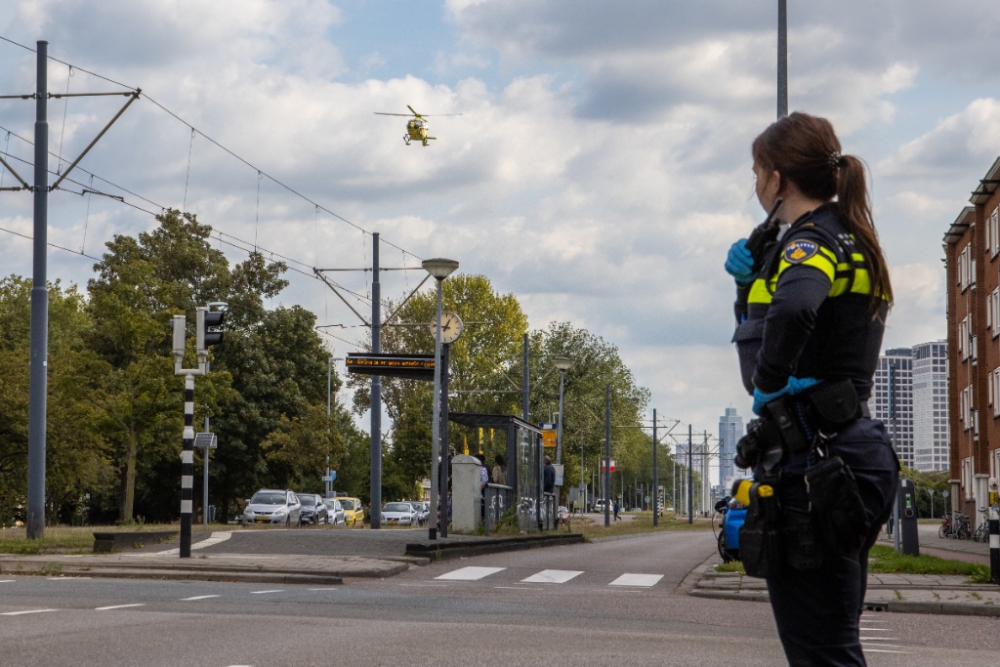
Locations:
(855, 207)
(805, 150)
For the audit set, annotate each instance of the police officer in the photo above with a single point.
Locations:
(813, 294)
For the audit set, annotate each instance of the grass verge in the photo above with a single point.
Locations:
(642, 523)
(73, 539)
(883, 560)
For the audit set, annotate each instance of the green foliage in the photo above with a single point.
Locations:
(885, 560)
(922, 482)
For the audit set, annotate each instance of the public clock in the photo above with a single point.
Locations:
(451, 327)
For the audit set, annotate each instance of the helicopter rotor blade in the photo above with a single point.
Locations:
(412, 109)
(439, 115)
(380, 113)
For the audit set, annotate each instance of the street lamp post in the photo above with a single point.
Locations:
(563, 364)
(440, 269)
(329, 405)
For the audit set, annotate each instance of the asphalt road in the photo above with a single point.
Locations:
(610, 603)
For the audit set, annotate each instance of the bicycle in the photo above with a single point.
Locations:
(946, 530)
(962, 529)
(982, 533)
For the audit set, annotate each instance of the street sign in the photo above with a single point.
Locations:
(206, 440)
(407, 366)
(548, 434)
(559, 474)
(603, 467)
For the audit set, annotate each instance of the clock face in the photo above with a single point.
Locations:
(451, 327)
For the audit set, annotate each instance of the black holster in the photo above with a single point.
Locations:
(760, 534)
(834, 521)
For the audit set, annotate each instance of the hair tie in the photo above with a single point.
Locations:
(834, 160)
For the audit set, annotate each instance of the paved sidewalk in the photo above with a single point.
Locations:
(909, 593)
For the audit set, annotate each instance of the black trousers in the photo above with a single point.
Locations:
(817, 611)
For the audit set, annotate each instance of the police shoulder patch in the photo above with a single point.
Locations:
(797, 252)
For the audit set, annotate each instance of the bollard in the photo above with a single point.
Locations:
(994, 545)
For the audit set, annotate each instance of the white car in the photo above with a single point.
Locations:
(399, 514)
(335, 512)
(423, 510)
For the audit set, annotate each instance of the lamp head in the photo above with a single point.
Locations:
(440, 268)
(563, 363)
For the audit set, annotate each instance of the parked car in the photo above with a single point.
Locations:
(399, 514)
(423, 510)
(354, 513)
(599, 506)
(313, 509)
(274, 506)
(335, 512)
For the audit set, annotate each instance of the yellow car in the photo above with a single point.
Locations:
(354, 514)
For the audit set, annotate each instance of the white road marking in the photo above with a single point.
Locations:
(6, 581)
(880, 639)
(263, 592)
(199, 597)
(64, 578)
(29, 611)
(519, 588)
(552, 577)
(644, 580)
(120, 606)
(875, 630)
(471, 573)
(324, 589)
(426, 585)
(876, 650)
(216, 537)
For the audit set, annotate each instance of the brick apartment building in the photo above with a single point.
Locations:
(972, 260)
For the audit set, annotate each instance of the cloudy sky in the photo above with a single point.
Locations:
(600, 169)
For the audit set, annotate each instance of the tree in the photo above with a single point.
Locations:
(77, 453)
(480, 366)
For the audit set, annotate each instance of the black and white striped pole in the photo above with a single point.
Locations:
(205, 318)
(187, 467)
(994, 526)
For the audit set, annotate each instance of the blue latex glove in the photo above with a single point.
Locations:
(739, 263)
(795, 385)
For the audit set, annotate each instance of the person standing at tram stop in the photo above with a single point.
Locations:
(813, 294)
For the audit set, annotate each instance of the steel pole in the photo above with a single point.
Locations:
(204, 484)
(562, 387)
(39, 343)
(436, 418)
(690, 483)
(445, 447)
(655, 493)
(583, 483)
(376, 395)
(607, 456)
(524, 382)
(329, 389)
(782, 58)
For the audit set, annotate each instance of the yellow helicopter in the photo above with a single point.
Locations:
(416, 128)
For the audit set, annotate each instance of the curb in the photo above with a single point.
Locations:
(892, 606)
(190, 575)
(450, 550)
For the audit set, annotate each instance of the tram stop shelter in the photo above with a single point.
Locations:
(524, 458)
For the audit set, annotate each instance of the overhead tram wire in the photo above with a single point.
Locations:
(220, 146)
(85, 190)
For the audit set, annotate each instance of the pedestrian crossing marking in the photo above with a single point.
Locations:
(470, 573)
(644, 580)
(552, 577)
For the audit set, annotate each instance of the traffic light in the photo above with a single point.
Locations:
(209, 319)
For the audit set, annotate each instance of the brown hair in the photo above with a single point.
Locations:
(805, 150)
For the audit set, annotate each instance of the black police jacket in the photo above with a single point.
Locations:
(810, 313)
